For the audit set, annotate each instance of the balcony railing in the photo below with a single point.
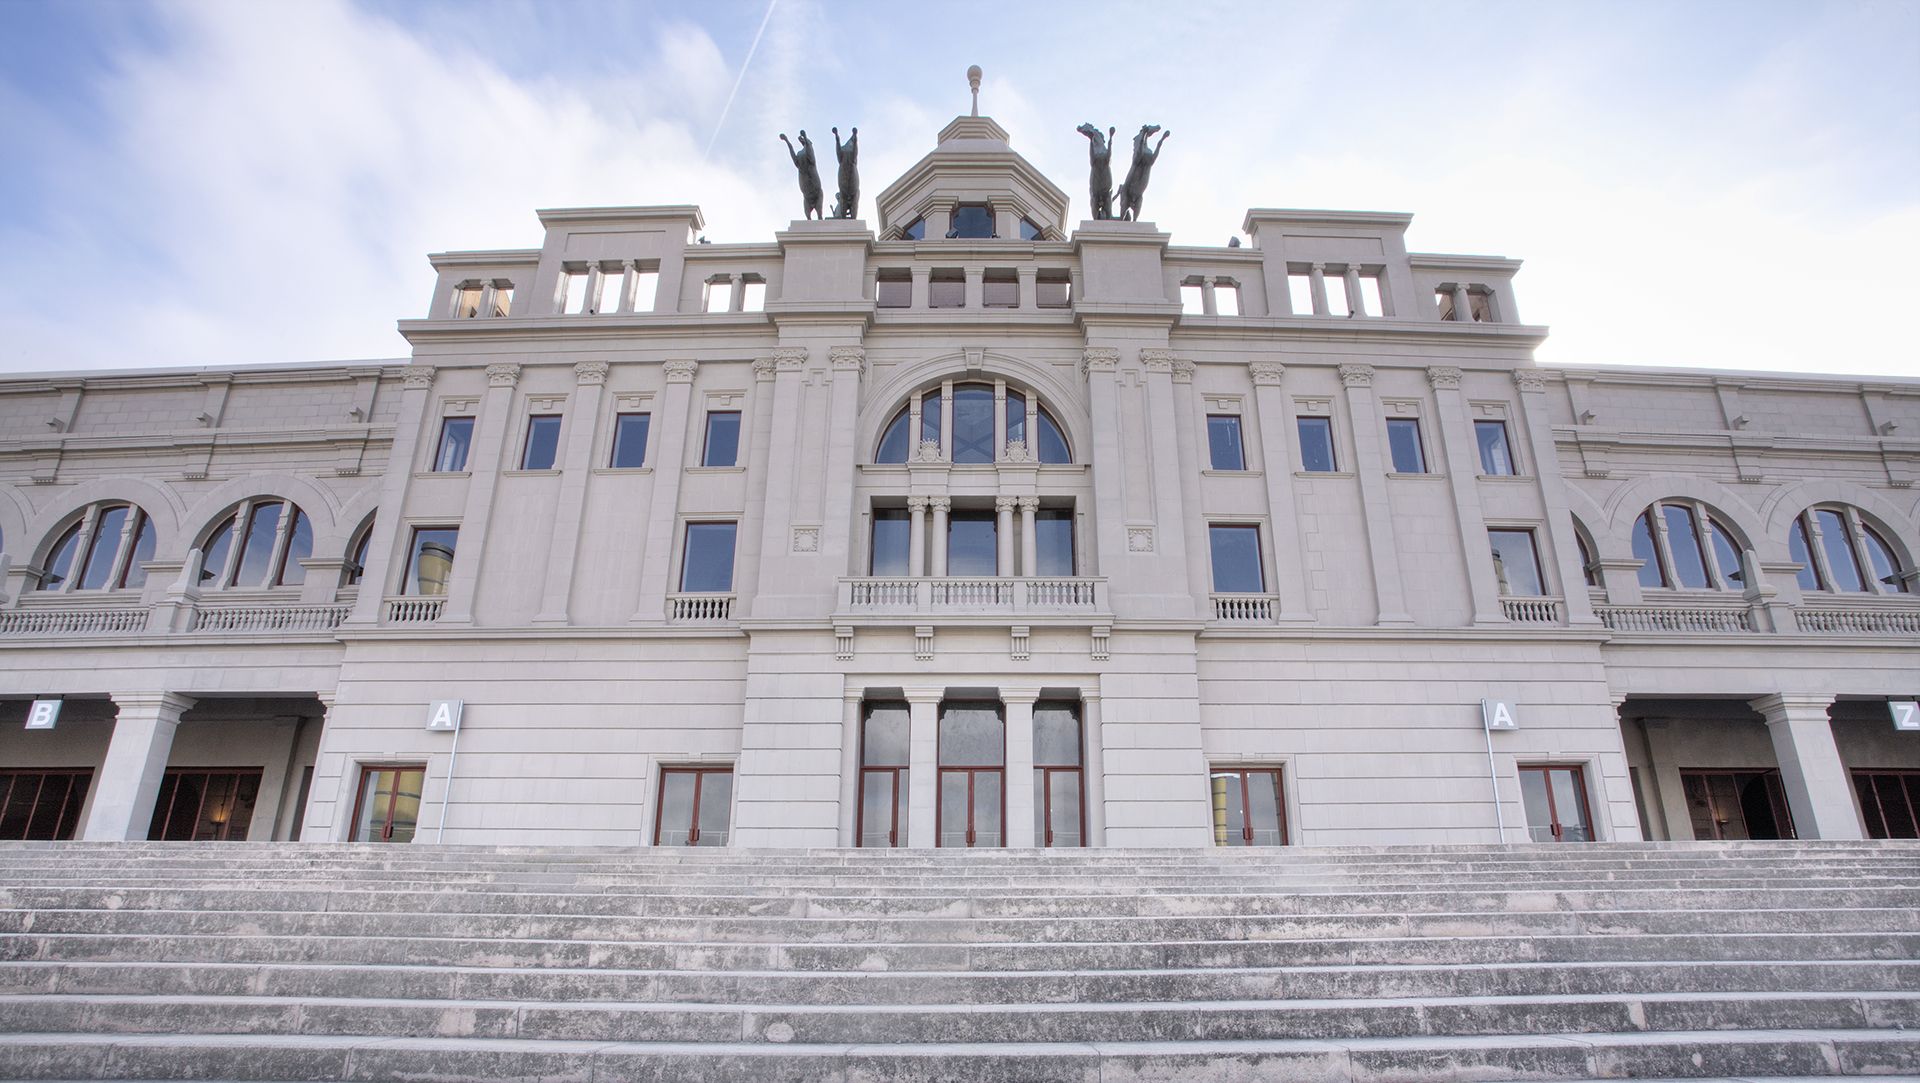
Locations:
(1531, 610)
(1862, 621)
(699, 608)
(413, 609)
(1689, 618)
(985, 596)
(72, 621)
(269, 618)
(1245, 608)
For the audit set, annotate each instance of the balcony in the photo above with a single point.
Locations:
(699, 608)
(1694, 617)
(413, 609)
(1532, 610)
(1245, 608)
(993, 596)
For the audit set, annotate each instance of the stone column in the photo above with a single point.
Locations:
(375, 579)
(590, 378)
(1209, 304)
(1029, 540)
(483, 485)
(923, 766)
(1020, 795)
(1819, 791)
(1276, 463)
(1003, 534)
(1363, 414)
(1029, 277)
(917, 536)
(1564, 544)
(850, 765)
(1317, 287)
(143, 729)
(940, 506)
(1093, 769)
(656, 558)
(1463, 471)
(1356, 301)
(1462, 304)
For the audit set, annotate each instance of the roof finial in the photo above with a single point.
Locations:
(973, 83)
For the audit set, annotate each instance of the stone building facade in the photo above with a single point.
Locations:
(974, 526)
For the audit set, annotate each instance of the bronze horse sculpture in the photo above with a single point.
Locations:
(809, 174)
(846, 202)
(1135, 185)
(1100, 157)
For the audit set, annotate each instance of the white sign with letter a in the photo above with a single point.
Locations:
(1497, 714)
(444, 715)
(1906, 714)
(43, 714)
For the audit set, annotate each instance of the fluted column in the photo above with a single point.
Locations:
(940, 506)
(656, 558)
(1363, 415)
(1003, 534)
(417, 383)
(1029, 540)
(483, 485)
(1463, 472)
(590, 379)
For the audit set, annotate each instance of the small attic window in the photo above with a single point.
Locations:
(972, 221)
(915, 230)
(1029, 231)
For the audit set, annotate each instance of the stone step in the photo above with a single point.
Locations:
(1688, 1055)
(332, 980)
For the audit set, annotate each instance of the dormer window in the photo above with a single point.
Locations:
(972, 221)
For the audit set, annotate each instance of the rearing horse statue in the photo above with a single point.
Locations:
(846, 202)
(1135, 185)
(809, 175)
(1100, 178)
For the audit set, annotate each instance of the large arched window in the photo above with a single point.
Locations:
(973, 435)
(1675, 552)
(105, 550)
(261, 544)
(356, 563)
(1838, 551)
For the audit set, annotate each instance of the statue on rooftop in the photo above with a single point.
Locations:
(846, 202)
(1100, 157)
(1135, 185)
(809, 174)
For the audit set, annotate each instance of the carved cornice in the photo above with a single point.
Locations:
(848, 359)
(680, 370)
(590, 372)
(1356, 375)
(417, 377)
(790, 358)
(1183, 370)
(763, 368)
(1099, 359)
(1444, 377)
(505, 374)
(1267, 373)
(1528, 380)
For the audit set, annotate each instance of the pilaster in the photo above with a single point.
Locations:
(583, 415)
(1463, 473)
(1283, 512)
(1363, 418)
(376, 578)
(656, 558)
(483, 484)
(1553, 492)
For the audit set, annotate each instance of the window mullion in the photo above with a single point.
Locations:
(282, 536)
(1817, 551)
(236, 542)
(1856, 538)
(1663, 547)
(123, 555)
(1709, 552)
(82, 547)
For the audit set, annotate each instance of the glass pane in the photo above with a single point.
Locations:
(1726, 555)
(1495, 458)
(986, 809)
(1683, 541)
(299, 548)
(716, 807)
(972, 220)
(630, 440)
(60, 560)
(1834, 543)
(135, 575)
(50, 808)
(676, 808)
(216, 807)
(1863, 788)
(1056, 734)
(1236, 559)
(1706, 825)
(1533, 794)
(1229, 809)
(357, 564)
(877, 805)
(1515, 564)
(1223, 441)
(709, 558)
(1899, 816)
(1651, 574)
(543, 443)
(1403, 439)
(456, 435)
(893, 445)
(376, 795)
(1316, 444)
(1053, 537)
(408, 782)
(16, 807)
(1016, 416)
(884, 740)
(1053, 444)
(892, 538)
(1063, 809)
(105, 546)
(430, 565)
(972, 544)
(723, 438)
(256, 551)
(1797, 548)
(175, 808)
(239, 821)
(953, 808)
(1028, 231)
(930, 417)
(1886, 570)
(1729, 821)
(1569, 806)
(1263, 808)
(973, 424)
(915, 230)
(972, 735)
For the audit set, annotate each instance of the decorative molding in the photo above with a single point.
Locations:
(417, 377)
(917, 503)
(1029, 503)
(504, 374)
(1444, 377)
(1267, 373)
(1157, 361)
(1099, 359)
(1529, 380)
(928, 452)
(1097, 647)
(1021, 647)
(680, 370)
(1139, 539)
(923, 642)
(1016, 452)
(843, 644)
(1356, 375)
(976, 357)
(590, 372)
(763, 368)
(848, 358)
(1183, 370)
(806, 539)
(940, 503)
(790, 358)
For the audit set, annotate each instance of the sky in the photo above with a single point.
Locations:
(1695, 184)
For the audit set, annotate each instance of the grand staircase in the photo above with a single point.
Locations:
(357, 962)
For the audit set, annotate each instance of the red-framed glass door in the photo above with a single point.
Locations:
(1249, 806)
(880, 815)
(1059, 783)
(696, 806)
(1889, 803)
(1736, 804)
(973, 805)
(1555, 796)
(387, 805)
(42, 805)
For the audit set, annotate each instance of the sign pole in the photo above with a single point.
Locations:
(454, 760)
(1492, 715)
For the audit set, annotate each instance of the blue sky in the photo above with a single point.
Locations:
(1699, 184)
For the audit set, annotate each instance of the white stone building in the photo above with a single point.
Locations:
(972, 526)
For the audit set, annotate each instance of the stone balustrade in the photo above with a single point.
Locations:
(1532, 610)
(413, 609)
(699, 608)
(964, 595)
(1687, 618)
(269, 618)
(1245, 608)
(79, 620)
(1859, 621)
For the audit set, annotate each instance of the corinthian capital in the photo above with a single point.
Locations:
(1530, 380)
(1157, 360)
(1099, 359)
(503, 375)
(680, 370)
(417, 377)
(1444, 377)
(848, 358)
(1356, 375)
(1267, 373)
(590, 372)
(790, 358)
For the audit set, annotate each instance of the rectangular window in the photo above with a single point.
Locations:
(1889, 803)
(630, 440)
(387, 808)
(1516, 563)
(1556, 802)
(707, 564)
(753, 295)
(611, 283)
(1236, 560)
(430, 560)
(1226, 298)
(1192, 300)
(947, 288)
(891, 540)
(502, 298)
(573, 284)
(466, 300)
(456, 436)
(696, 806)
(1370, 294)
(1223, 440)
(1053, 536)
(1055, 289)
(1496, 458)
(1316, 444)
(1000, 289)
(646, 285)
(723, 438)
(893, 289)
(719, 295)
(972, 544)
(42, 806)
(543, 442)
(1249, 806)
(205, 806)
(1403, 439)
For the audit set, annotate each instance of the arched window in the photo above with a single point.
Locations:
(972, 439)
(105, 550)
(1675, 552)
(261, 544)
(1589, 565)
(356, 565)
(1838, 551)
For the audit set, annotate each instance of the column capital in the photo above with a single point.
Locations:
(1356, 375)
(680, 370)
(503, 374)
(160, 703)
(923, 693)
(1267, 373)
(1099, 359)
(763, 368)
(1157, 361)
(1183, 370)
(789, 358)
(417, 377)
(1025, 695)
(1529, 380)
(1780, 706)
(1029, 503)
(916, 503)
(940, 503)
(1444, 377)
(590, 372)
(1005, 503)
(848, 358)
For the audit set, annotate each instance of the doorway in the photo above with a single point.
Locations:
(1556, 802)
(1737, 804)
(973, 767)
